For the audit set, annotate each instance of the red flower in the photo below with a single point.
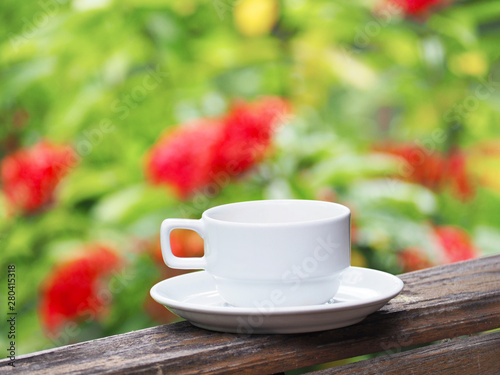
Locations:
(30, 176)
(433, 169)
(414, 7)
(413, 259)
(192, 157)
(74, 291)
(459, 179)
(247, 134)
(183, 158)
(455, 243)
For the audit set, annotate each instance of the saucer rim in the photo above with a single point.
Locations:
(231, 310)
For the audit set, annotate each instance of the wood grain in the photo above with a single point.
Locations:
(472, 355)
(437, 303)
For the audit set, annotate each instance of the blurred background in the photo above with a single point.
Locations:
(117, 114)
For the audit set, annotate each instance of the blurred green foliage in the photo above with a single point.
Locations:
(109, 77)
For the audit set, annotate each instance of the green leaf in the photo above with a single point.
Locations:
(131, 203)
(345, 169)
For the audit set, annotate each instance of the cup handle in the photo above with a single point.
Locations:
(169, 258)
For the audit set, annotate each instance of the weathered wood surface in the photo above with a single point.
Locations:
(472, 355)
(437, 303)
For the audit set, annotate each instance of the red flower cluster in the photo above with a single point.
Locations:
(210, 151)
(415, 7)
(433, 169)
(73, 292)
(30, 176)
(454, 244)
(182, 158)
(413, 259)
(246, 134)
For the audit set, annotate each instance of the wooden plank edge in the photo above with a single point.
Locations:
(472, 355)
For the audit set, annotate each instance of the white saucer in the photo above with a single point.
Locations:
(193, 296)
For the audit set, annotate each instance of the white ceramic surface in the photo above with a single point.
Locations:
(286, 252)
(194, 297)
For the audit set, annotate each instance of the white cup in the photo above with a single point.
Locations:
(269, 253)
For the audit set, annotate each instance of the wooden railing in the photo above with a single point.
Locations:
(449, 307)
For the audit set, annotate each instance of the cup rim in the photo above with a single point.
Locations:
(346, 212)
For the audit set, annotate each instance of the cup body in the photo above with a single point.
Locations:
(273, 253)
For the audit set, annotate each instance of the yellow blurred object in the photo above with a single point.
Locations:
(255, 17)
(185, 7)
(351, 70)
(486, 159)
(403, 50)
(422, 119)
(357, 259)
(471, 63)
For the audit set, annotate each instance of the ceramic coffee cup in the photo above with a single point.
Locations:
(269, 253)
